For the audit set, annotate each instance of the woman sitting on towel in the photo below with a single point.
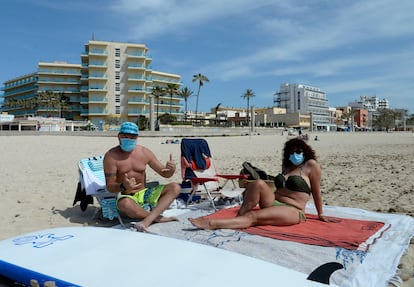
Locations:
(300, 177)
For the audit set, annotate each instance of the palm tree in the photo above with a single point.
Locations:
(47, 98)
(200, 79)
(216, 110)
(158, 92)
(186, 93)
(172, 89)
(247, 95)
(63, 103)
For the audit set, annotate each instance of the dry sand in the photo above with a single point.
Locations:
(38, 174)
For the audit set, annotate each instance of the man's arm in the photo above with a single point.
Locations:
(166, 170)
(110, 171)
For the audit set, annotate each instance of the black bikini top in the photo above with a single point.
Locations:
(293, 182)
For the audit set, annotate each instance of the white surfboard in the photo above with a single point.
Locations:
(97, 256)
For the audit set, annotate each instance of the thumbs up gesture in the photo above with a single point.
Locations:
(170, 165)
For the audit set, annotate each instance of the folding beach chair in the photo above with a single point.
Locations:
(197, 167)
(92, 185)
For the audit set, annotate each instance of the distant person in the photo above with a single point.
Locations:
(124, 167)
(316, 138)
(300, 178)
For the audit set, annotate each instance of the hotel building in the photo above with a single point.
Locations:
(114, 80)
(305, 100)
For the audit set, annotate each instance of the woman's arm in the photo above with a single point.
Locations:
(315, 175)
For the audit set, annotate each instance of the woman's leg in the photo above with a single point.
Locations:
(274, 215)
(257, 192)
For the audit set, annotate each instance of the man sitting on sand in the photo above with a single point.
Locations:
(124, 167)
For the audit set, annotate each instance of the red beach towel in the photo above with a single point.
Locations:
(347, 233)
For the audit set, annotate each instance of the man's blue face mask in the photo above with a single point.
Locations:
(127, 144)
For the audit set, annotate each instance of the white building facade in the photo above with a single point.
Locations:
(306, 100)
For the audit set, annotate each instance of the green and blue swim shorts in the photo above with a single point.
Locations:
(146, 198)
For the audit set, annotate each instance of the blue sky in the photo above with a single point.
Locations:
(347, 48)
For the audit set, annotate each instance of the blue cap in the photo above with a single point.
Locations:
(129, 128)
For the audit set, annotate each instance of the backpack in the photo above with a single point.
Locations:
(254, 172)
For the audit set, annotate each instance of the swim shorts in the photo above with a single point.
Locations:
(146, 198)
(302, 216)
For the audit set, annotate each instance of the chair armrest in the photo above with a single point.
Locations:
(199, 180)
(233, 176)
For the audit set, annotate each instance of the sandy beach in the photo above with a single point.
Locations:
(38, 174)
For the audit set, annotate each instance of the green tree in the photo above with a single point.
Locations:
(201, 79)
(247, 95)
(172, 89)
(216, 109)
(46, 100)
(63, 103)
(410, 119)
(167, 119)
(158, 92)
(385, 119)
(142, 122)
(186, 93)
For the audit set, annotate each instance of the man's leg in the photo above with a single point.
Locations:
(131, 209)
(169, 193)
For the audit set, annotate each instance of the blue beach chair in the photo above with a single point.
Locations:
(92, 185)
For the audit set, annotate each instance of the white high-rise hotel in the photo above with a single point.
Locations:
(113, 80)
(305, 100)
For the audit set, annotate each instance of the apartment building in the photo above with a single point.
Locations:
(113, 81)
(305, 100)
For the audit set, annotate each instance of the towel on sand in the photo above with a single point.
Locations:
(347, 233)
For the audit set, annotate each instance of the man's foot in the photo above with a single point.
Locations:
(141, 227)
(200, 222)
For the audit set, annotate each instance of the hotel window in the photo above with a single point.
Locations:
(117, 110)
(117, 52)
(117, 75)
(117, 87)
(117, 64)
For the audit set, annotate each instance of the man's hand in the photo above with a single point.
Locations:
(169, 166)
(130, 184)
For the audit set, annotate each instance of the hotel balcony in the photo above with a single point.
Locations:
(138, 66)
(95, 111)
(96, 64)
(98, 52)
(98, 100)
(138, 101)
(97, 88)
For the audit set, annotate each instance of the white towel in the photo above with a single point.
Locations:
(92, 184)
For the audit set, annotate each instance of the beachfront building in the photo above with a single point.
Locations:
(113, 83)
(306, 100)
(52, 91)
(117, 81)
(277, 117)
(372, 103)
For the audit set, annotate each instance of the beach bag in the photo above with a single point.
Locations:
(253, 172)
